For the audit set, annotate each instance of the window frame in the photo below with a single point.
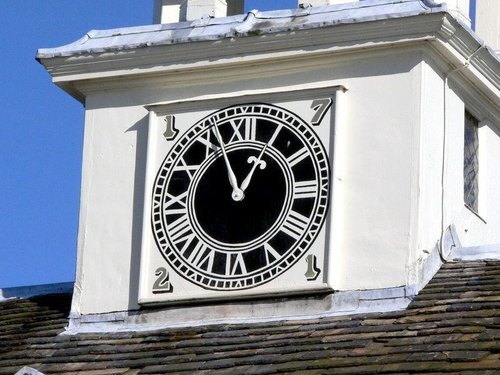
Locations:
(471, 162)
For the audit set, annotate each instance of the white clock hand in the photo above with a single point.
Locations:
(256, 162)
(237, 193)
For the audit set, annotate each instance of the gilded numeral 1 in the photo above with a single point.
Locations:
(170, 130)
(312, 269)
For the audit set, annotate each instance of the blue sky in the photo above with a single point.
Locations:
(41, 132)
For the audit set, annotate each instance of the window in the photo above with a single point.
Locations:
(471, 163)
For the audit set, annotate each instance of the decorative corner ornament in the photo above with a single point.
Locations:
(170, 130)
(237, 199)
(162, 283)
(313, 271)
(320, 107)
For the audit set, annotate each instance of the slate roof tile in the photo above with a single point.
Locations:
(452, 326)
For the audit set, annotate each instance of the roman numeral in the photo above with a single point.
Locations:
(270, 253)
(183, 166)
(244, 129)
(205, 140)
(206, 261)
(275, 135)
(297, 157)
(295, 224)
(200, 255)
(250, 128)
(305, 189)
(236, 125)
(179, 228)
(170, 200)
(187, 238)
(235, 265)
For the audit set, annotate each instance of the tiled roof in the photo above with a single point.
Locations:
(453, 325)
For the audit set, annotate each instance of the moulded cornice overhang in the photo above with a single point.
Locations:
(263, 37)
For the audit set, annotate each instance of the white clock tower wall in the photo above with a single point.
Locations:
(379, 92)
(378, 173)
(110, 199)
(377, 161)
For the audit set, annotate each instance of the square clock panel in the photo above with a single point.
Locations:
(237, 198)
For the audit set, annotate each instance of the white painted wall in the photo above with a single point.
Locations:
(488, 22)
(382, 113)
(316, 3)
(398, 117)
(431, 111)
(111, 197)
(473, 228)
(459, 8)
(441, 198)
(379, 179)
(170, 11)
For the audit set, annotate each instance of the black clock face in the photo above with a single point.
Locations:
(240, 197)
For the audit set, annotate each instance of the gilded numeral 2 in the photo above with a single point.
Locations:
(170, 130)
(162, 283)
(320, 106)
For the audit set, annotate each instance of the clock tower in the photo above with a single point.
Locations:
(277, 164)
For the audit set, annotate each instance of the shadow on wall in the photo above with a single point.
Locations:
(141, 130)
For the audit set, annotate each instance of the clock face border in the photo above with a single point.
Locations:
(159, 281)
(297, 230)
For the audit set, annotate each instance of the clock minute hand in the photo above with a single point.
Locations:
(256, 162)
(237, 193)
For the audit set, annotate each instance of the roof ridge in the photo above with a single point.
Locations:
(35, 290)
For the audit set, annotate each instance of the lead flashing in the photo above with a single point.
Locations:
(294, 308)
(471, 253)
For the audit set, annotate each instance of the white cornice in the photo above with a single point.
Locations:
(452, 40)
(254, 23)
(166, 58)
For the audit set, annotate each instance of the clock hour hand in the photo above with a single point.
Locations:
(237, 193)
(257, 161)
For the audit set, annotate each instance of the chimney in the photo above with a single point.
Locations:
(317, 3)
(459, 8)
(488, 22)
(170, 11)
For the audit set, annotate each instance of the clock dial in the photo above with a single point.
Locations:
(240, 197)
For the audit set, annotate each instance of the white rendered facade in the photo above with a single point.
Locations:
(398, 165)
